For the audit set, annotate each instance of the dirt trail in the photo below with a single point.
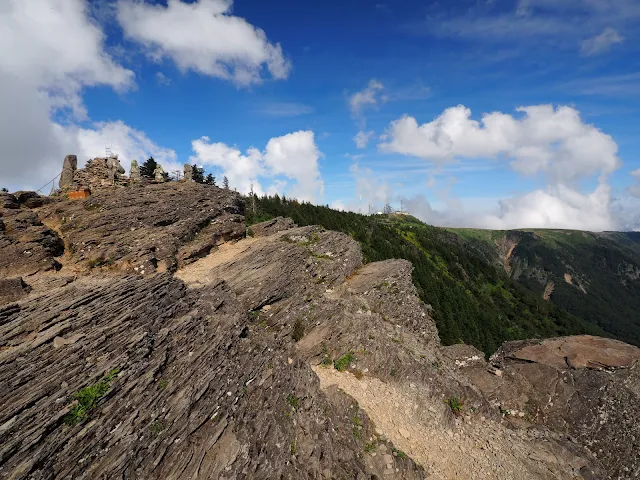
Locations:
(196, 274)
(472, 449)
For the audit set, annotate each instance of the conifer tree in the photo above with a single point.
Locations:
(225, 182)
(210, 180)
(198, 174)
(148, 168)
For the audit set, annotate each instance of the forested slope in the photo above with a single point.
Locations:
(595, 276)
(474, 300)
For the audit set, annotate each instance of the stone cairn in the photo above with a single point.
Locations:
(188, 173)
(134, 172)
(100, 172)
(159, 174)
(69, 168)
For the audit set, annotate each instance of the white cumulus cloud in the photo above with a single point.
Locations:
(293, 156)
(544, 139)
(50, 51)
(205, 37)
(555, 207)
(54, 47)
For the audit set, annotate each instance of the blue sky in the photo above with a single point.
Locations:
(297, 81)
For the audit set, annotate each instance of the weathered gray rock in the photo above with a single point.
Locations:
(585, 387)
(134, 172)
(114, 168)
(100, 172)
(146, 228)
(12, 289)
(8, 201)
(199, 388)
(159, 174)
(69, 168)
(188, 173)
(211, 368)
(270, 227)
(31, 199)
(27, 246)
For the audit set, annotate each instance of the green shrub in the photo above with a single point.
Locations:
(88, 398)
(344, 361)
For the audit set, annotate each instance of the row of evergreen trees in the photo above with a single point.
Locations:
(148, 168)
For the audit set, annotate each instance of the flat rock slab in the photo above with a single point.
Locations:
(580, 352)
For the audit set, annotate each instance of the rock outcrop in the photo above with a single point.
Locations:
(168, 346)
(12, 289)
(585, 387)
(27, 246)
(100, 172)
(270, 227)
(195, 386)
(188, 173)
(69, 168)
(159, 174)
(134, 172)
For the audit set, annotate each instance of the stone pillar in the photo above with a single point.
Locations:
(159, 173)
(68, 170)
(188, 173)
(114, 168)
(134, 172)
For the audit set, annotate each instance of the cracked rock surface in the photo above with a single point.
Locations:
(190, 352)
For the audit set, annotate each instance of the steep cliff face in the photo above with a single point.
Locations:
(274, 356)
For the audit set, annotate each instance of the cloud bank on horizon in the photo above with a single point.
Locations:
(79, 76)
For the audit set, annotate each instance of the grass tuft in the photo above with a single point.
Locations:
(344, 361)
(88, 398)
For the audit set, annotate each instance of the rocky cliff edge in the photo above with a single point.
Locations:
(149, 339)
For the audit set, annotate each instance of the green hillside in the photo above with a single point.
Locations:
(474, 299)
(595, 276)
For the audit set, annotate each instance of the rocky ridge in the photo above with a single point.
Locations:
(206, 355)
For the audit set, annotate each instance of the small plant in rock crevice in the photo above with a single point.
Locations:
(343, 362)
(370, 447)
(293, 401)
(88, 397)
(399, 453)
(156, 428)
(326, 358)
(455, 404)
